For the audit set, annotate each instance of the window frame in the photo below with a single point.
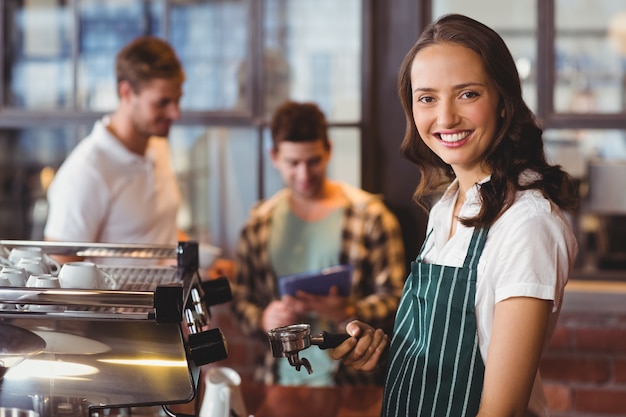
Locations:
(546, 81)
(17, 118)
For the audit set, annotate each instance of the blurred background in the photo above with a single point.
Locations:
(243, 57)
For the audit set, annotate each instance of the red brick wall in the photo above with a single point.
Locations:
(584, 368)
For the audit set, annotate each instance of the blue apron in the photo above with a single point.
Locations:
(435, 368)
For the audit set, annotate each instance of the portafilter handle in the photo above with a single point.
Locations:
(327, 340)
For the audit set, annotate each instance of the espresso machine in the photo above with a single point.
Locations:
(102, 352)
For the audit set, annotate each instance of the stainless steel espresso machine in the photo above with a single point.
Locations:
(84, 352)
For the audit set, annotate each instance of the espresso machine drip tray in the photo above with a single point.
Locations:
(138, 344)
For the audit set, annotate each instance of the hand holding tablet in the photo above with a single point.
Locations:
(318, 282)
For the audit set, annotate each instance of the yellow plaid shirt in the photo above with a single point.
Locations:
(371, 242)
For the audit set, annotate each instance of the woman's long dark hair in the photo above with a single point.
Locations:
(518, 145)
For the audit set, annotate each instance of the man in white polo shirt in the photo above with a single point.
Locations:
(118, 184)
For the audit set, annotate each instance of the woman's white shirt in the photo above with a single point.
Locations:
(530, 252)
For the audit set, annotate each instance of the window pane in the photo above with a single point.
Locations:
(28, 159)
(211, 39)
(515, 22)
(313, 53)
(217, 169)
(590, 50)
(38, 66)
(105, 27)
(597, 158)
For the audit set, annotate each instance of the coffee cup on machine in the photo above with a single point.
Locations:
(33, 265)
(4, 282)
(17, 276)
(4, 256)
(32, 252)
(85, 275)
(43, 281)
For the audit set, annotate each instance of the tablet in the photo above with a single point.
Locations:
(318, 282)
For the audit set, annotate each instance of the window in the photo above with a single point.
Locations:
(571, 57)
(242, 58)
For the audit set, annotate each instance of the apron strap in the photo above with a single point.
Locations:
(479, 237)
(421, 252)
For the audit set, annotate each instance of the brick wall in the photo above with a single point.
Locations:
(584, 368)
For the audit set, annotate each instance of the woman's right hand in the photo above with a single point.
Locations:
(364, 349)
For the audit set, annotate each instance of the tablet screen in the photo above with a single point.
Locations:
(318, 282)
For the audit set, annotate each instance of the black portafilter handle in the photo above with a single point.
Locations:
(328, 340)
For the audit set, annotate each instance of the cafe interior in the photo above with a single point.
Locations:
(243, 58)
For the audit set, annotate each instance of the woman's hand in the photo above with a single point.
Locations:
(364, 349)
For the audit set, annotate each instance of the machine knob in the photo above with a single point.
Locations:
(207, 347)
(216, 291)
(168, 303)
(187, 255)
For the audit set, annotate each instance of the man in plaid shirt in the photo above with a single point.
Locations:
(310, 224)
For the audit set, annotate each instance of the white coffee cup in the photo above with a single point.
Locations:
(31, 252)
(43, 281)
(24, 252)
(33, 265)
(17, 276)
(4, 282)
(84, 275)
(4, 256)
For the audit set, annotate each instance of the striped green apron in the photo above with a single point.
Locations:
(435, 368)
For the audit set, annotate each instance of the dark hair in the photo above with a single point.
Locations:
(518, 145)
(146, 58)
(299, 122)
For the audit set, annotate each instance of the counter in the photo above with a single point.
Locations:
(289, 401)
(595, 296)
(283, 401)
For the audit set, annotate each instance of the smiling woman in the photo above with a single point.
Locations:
(456, 108)
(485, 291)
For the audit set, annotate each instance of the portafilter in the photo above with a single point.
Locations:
(287, 341)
